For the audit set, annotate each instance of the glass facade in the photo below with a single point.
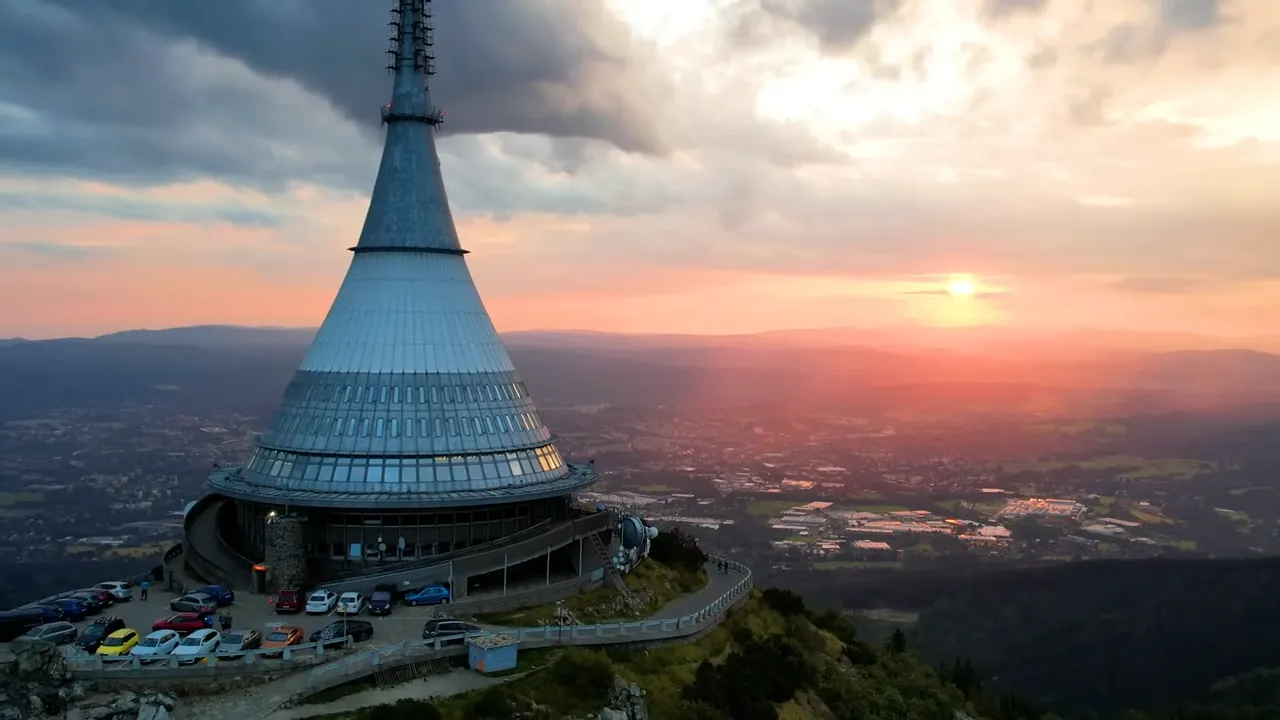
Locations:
(391, 475)
(338, 541)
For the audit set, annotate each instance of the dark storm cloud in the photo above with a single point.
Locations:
(1190, 14)
(838, 24)
(114, 101)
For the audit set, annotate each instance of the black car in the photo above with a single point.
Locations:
(448, 630)
(51, 612)
(14, 623)
(94, 603)
(336, 633)
(382, 599)
(97, 631)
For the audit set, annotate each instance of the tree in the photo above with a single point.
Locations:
(678, 549)
(897, 643)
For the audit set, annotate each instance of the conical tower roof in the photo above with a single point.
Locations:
(407, 397)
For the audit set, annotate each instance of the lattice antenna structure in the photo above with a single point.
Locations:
(411, 51)
(413, 38)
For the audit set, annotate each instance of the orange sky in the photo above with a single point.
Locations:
(812, 192)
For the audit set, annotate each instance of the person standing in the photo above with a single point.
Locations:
(142, 587)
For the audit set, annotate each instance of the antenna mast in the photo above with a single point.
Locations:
(412, 51)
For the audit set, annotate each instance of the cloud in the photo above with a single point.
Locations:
(669, 146)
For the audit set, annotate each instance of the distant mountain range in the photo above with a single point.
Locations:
(865, 371)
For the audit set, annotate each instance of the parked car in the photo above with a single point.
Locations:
(282, 637)
(58, 633)
(337, 632)
(156, 645)
(199, 644)
(350, 603)
(429, 595)
(237, 641)
(50, 612)
(382, 599)
(182, 623)
(448, 630)
(105, 596)
(74, 609)
(97, 631)
(15, 623)
(322, 601)
(93, 599)
(221, 594)
(120, 590)
(289, 600)
(119, 643)
(194, 603)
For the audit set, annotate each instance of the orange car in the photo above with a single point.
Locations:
(282, 637)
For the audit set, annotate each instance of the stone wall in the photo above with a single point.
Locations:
(286, 555)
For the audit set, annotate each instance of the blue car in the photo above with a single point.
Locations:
(429, 595)
(75, 610)
(51, 613)
(221, 595)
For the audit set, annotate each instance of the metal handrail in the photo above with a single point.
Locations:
(329, 674)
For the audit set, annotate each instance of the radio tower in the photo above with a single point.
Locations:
(407, 440)
(411, 58)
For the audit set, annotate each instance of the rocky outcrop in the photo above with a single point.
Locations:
(38, 684)
(626, 702)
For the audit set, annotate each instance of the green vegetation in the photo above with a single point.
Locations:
(769, 508)
(880, 508)
(11, 499)
(1106, 636)
(674, 568)
(1134, 468)
(772, 659)
(854, 564)
(653, 582)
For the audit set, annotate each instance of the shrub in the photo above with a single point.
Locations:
(583, 672)
(785, 602)
(407, 709)
(678, 549)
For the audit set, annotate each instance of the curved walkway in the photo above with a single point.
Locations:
(687, 616)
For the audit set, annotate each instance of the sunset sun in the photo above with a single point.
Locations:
(961, 286)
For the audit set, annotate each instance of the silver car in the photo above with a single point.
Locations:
(119, 589)
(194, 603)
(58, 633)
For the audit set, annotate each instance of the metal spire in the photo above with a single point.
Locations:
(411, 57)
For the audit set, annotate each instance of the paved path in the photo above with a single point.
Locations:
(258, 701)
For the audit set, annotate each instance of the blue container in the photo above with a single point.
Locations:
(492, 653)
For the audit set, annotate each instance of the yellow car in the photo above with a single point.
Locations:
(119, 642)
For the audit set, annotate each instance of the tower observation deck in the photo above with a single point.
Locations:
(407, 432)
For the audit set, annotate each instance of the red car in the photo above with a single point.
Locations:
(290, 600)
(182, 623)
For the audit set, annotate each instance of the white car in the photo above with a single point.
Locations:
(351, 603)
(197, 646)
(156, 645)
(322, 601)
(119, 590)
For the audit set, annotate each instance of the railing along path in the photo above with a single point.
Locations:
(325, 673)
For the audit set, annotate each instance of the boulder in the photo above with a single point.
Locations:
(38, 660)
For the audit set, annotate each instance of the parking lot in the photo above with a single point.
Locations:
(254, 611)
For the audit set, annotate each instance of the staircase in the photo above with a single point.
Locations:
(610, 573)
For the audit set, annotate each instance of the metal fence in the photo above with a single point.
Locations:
(246, 661)
(618, 633)
(327, 673)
